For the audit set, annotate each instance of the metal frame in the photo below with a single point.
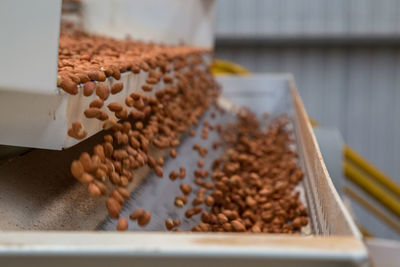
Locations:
(339, 243)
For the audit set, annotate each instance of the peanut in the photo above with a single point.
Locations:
(144, 219)
(102, 91)
(117, 196)
(169, 224)
(182, 172)
(160, 161)
(186, 189)
(124, 193)
(88, 88)
(94, 190)
(173, 175)
(116, 88)
(159, 171)
(96, 103)
(68, 85)
(115, 107)
(147, 87)
(137, 214)
(77, 131)
(113, 207)
(238, 226)
(122, 224)
(173, 153)
(77, 169)
(92, 112)
(86, 162)
(209, 201)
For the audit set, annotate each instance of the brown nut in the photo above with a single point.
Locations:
(111, 123)
(100, 174)
(92, 112)
(99, 151)
(173, 175)
(169, 224)
(101, 186)
(159, 171)
(180, 201)
(68, 85)
(77, 131)
(113, 207)
(160, 161)
(197, 209)
(115, 107)
(189, 213)
(151, 80)
(222, 218)
(88, 88)
(122, 115)
(86, 162)
(186, 189)
(124, 193)
(238, 226)
(200, 163)
(124, 181)
(197, 201)
(102, 91)
(147, 87)
(209, 201)
(108, 149)
(115, 178)
(136, 114)
(182, 172)
(144, 219)
(94, 190)
(173, 153)
(77, 169)
(96, 103)
(168, 79)
(122, 224)
(117, 196)
(116, 88)
(137, 214)
(102, 116)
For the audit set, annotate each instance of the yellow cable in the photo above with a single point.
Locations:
(226, 67)
(372, 208)
(378, 175)
(313, 122)
(372, 188)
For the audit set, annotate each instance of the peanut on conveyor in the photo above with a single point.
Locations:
(251, 187)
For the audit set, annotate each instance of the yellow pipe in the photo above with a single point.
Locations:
(222, 66)
(378, 175)
(372, 188)
(372, 208)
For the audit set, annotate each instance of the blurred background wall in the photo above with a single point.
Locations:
(344, 54)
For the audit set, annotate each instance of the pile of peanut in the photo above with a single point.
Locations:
(251, 187)
(84, 58)
(142, 121)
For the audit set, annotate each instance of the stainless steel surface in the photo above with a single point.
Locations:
(157, 195)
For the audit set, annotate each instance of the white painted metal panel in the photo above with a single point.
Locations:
(29, 46)
(171, 22)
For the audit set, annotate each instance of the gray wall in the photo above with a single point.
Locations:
(344, 54)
